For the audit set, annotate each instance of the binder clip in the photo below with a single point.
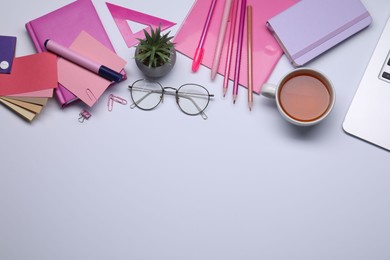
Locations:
(84, 115)
(112, 99)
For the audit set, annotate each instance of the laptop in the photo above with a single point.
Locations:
(368, 117)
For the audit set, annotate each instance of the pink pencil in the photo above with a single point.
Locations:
(250, 61)
(221, 38)
(232, 21)
(239, 49)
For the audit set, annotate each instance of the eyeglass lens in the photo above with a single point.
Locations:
(146, 94)
(192, 99)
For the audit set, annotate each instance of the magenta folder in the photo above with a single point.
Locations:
(266, 51)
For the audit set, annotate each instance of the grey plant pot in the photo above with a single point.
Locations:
(157, 72)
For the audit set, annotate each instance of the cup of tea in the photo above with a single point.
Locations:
(303, 96)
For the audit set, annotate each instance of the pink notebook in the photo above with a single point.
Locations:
(266, 51)
(64, 25)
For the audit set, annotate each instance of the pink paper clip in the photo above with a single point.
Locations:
(112, 99)
(84, 115)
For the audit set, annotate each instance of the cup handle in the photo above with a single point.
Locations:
(268, 90)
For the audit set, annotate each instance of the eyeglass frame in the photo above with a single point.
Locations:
(175, 93)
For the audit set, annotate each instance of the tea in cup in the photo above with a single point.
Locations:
(304, 96)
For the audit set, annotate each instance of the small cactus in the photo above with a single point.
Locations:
(155, 49)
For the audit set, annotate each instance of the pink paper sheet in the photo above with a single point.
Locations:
(46, 93)
(83, 83)
(30, 73)
(266, 51)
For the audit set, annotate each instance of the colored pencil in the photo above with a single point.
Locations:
(232, 22)
(249, 55)
(239, 49)
(221, 38)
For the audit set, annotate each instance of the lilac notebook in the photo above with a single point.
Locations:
(64, 25)
(311, 27)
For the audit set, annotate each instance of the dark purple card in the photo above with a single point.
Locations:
(7, 53)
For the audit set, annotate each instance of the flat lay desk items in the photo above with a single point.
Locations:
(240, 39)
(141, 174)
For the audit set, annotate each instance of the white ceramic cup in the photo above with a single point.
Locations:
(303, 96)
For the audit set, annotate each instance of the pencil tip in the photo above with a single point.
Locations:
(224, 92)
(234, 99)
(213, 75)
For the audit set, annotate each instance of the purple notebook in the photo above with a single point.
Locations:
(7, 53)
(64, 25)
(311, 27)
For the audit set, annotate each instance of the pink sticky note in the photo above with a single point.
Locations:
(30, 73)
(83, 83)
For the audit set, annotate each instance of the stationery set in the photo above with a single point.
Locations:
(214, 33)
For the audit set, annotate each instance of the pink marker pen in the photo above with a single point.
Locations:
(200, 50)
(82, 61)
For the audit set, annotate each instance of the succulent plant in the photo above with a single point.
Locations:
(155, 49)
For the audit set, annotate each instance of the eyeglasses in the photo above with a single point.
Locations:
(192, 99)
